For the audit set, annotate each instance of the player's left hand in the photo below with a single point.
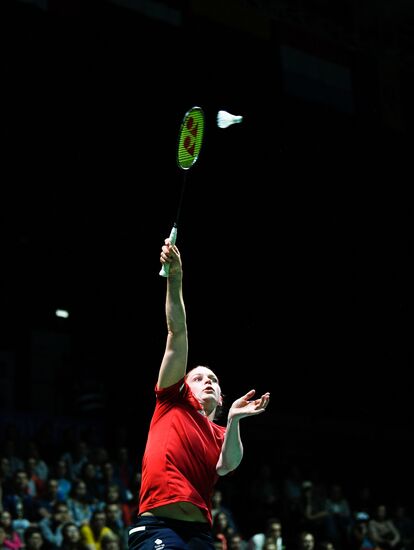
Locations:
(246, 406)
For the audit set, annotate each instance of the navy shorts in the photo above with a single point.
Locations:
(155, 533)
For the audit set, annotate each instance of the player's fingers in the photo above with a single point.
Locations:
(165, 257)
(249, 394)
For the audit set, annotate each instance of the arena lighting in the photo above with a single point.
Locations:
(63, 313)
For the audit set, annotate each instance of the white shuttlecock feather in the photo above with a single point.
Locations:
(225, 119)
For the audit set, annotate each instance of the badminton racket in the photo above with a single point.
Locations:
(190, 139)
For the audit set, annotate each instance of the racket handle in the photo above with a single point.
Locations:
(165, 270)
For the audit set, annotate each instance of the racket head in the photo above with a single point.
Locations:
(190, 137)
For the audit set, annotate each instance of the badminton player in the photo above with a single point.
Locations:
(186, 450)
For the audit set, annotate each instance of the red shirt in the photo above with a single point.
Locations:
(183, 447)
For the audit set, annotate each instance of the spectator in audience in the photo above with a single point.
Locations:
(34, 540)
(382, 529)
(221, 526)
(47, 504)
(405, 525)
(3, 536)
(363, 501)
(61, 474)
(20, 523)
(112, 496)
(116, 523)
(130, 507)
(19, 496)
(219, 541)
(340, 513)
(71, 537)
(124, 471)
(315, 515)
(109, 479)
(76, 458)
(269, 544)
(40, 466)
(9, 451)
(111, 542)
(6, 475)
(359, 537)
(237, 542)
(90, 477)
(12, 540)
(272, 531)
(292, 495)
(217, 506)
(306, 541)
(51, 527)
(36, 485)
(79, 504)
(98, 457)
(93, 532)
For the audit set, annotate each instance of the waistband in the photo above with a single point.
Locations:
(142, 521)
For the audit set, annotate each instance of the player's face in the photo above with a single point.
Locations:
(205, 386)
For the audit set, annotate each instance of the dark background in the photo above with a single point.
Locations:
(296, 228)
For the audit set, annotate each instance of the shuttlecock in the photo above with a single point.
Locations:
(225, 119)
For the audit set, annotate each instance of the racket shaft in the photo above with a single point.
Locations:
(165, 269)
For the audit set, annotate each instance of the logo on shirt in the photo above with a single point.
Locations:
(158, 544)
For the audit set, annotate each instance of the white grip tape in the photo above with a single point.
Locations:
(166, 267)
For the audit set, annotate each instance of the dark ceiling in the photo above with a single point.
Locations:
(296, 229)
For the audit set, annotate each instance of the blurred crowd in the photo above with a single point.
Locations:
(83, 495)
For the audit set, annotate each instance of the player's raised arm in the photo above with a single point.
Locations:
(174, 363)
